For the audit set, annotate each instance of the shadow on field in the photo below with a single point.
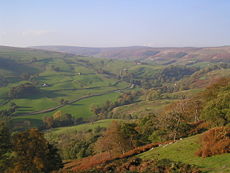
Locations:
(25, 123)
(76, 104)
(51, 94)
(23, 109)
(44, 94)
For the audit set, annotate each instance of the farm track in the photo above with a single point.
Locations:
(73, 101)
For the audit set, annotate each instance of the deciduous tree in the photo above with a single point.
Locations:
(5, 147)
(33, 154)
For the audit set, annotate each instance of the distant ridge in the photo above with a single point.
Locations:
(143, 52)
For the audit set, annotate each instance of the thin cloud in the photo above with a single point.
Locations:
(36, 32)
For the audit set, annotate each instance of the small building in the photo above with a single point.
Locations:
(45, 85)
(132, 86)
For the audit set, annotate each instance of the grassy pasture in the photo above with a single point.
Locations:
(78, 109)
(184, 151)
(142, 108)
(75, 77)
(82, 127)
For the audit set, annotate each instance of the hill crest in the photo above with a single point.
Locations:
(148, 53)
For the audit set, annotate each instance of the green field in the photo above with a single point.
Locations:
(141, 108)
(82, 127)
(184, 151)
(78, 109)
(67, 77)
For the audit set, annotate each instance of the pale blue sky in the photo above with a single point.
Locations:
(107, 23)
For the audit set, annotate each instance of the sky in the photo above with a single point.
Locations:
(115, 23)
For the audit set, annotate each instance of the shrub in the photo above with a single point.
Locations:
(215, 141)
(135, 165)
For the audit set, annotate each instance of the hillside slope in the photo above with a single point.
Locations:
(184, 151)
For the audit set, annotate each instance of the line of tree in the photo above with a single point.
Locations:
(10, 111)
(60, 119)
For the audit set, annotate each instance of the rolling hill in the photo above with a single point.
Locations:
(159, 55)
(62, 74)
(57, 76)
